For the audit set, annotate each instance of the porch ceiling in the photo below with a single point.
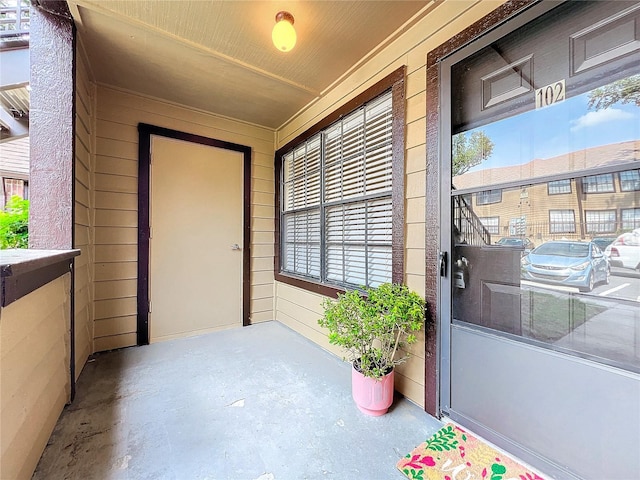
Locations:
(218, 55)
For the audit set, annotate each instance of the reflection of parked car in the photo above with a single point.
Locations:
(625, 251)
(603, 242)
(577, 264)
(518, 242)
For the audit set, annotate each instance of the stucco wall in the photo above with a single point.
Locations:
(83, 231)
(115, 200)
(300, 309)
(51, 131)
(34, 374)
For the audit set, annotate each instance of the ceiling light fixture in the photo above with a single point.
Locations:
(284, 35)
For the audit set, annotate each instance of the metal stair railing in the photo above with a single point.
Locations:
(471, 229)
(14, 20)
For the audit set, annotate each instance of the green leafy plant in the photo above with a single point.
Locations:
(14, 224)
(374, 325)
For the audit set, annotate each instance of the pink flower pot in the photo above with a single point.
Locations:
(373, 397)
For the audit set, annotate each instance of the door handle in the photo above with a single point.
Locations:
(235, 246)
(442, 256)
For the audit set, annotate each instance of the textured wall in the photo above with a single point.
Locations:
(51, 120)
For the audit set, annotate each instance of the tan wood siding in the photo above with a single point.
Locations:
(262, 235)
(83, 227)
(300, 311)
(115, 215)
(34, 373)
(443, 22)
(15, 158)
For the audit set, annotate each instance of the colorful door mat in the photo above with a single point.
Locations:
(453, 454)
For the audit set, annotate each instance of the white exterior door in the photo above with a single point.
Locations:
(195, 271)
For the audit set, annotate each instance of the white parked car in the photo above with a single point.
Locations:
(625, 251)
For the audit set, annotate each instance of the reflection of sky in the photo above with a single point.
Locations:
(558, 129)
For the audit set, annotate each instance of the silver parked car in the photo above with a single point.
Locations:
(562, 262)
(517, 242)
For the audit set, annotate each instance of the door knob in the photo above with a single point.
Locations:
(235, 246)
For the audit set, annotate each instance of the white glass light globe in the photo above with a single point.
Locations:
(284, 35)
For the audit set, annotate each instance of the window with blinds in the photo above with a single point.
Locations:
(336, 202)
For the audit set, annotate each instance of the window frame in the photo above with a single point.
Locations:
(584, 181)
(490, 227)
(613, 223)
(555, 186)
(396, 82)
(488, 196)
(633, 217)
(6, 181)
(625, 182)
(553, 223)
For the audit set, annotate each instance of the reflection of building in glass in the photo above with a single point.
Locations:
(14, 99)
(14, 169)
(537, 202)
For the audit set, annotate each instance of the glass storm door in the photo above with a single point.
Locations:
(541, 306)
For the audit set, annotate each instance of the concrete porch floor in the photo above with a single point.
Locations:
(259, 402)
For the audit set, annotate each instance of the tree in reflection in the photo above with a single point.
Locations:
(625, 90)
(469, 151)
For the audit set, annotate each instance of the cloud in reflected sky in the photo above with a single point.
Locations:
(592, 119)
(558, 129)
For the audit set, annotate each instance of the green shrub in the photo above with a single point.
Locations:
(372, 326)
(14, 224)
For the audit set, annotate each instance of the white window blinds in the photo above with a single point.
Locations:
(301, 222)
(336, 200)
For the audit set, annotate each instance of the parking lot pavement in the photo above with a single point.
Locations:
(624, 272)
(621, 287)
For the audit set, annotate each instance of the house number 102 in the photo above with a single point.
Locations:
(550, 94)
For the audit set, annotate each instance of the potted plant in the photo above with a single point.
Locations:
(372, 326)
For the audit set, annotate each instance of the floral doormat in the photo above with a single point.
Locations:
(451, 453)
